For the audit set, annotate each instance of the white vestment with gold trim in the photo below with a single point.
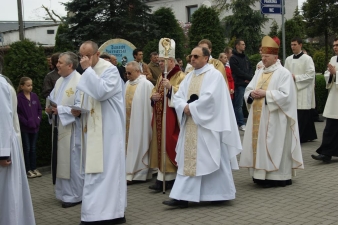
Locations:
(278, 148)
(208, 141)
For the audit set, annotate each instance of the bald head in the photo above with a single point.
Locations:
(90, 49)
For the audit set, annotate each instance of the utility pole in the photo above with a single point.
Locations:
(21, 35)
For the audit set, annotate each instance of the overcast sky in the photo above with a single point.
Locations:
(32, 9)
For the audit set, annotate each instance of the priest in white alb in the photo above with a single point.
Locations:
(209, 140)
(138, 123)
(303, 72)
(69, 180)
(329, 146)
(271, 147)
(104, 128)
(16, 203)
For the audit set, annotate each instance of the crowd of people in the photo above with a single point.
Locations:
(116, 125)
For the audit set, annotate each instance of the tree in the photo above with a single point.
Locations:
(294, 27)
(168, 26)
(25, 59)
(273, 29)
(206, 25)
(245, 23)
(321, 18)
(62, 44)
(106, 19)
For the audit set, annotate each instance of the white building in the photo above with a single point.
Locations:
(183, 10)
(41, 33)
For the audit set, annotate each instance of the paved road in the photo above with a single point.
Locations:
(312, 199)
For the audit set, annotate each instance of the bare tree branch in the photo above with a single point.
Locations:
(58, 16)
(49, 14)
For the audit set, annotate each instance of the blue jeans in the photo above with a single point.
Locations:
(238, 104)
(29, 149)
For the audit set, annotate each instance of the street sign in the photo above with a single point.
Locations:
(271, 6)
(271, 10)
(270, 2)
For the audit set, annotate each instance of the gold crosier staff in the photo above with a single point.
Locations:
(166, 43)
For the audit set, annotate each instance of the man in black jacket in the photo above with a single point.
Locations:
(242, 74)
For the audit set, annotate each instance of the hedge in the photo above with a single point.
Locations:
(44, 142)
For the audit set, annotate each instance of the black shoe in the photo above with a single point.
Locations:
(220, 202)
(324, 158)
(174, 202)
(119, 220)
(70, 204)
(158, 186)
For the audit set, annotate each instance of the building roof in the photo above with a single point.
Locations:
(6, 26)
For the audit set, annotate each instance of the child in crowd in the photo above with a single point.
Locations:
(29, 112)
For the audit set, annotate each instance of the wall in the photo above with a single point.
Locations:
(35, 34)
(180, 9)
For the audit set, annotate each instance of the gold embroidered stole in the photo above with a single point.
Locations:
(257, 104)
(65, 132)
(129, 100)
(190, 144)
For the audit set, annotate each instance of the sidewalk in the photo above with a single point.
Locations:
(312, 199)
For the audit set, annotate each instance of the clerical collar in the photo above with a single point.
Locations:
(70, 75)
(272, 68)
(298, 55)
(204, 69)
(137, 80)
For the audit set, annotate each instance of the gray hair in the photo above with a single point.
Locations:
(71, 58)
(134, 65)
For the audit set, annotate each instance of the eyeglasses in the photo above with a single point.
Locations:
(195, 56)
(128, 73)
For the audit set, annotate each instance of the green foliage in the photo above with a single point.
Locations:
(273, 29)
(319, 60)
(62, 44)
(321, 93)
(44, 142)
(206, 25)
(25, 59)
(168, 26)
(245, 23)
(103, 20)
(152, 46)
(321, 18)
(254, 59)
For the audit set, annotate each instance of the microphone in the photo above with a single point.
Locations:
(193, 98)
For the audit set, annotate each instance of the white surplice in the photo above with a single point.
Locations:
(304, 70)
(104, 193)
(278, 146)
(140, 131)
(15, 198)
(331, 106)
(218, 141)
(69, 182)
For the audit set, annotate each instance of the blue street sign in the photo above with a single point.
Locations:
(271, 10)
(270, 2)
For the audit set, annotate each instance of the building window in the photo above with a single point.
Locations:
(50, 31)
(191, 9)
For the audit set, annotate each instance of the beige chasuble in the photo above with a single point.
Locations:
(257, 104)
(190, 145)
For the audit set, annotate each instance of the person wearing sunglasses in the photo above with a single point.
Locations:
(209, 139)
(138, 124)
